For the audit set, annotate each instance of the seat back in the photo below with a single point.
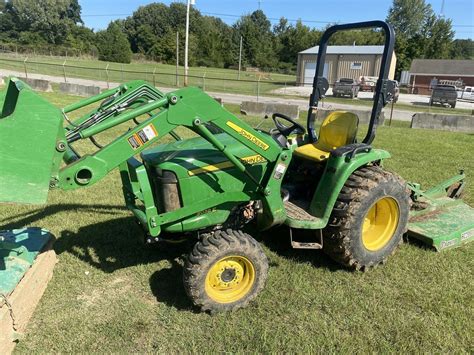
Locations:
(338, 129)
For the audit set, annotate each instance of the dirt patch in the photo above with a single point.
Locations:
(426, 216)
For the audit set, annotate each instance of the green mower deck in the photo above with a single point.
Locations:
(448, 226)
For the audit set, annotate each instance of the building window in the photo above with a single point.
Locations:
(356, 65)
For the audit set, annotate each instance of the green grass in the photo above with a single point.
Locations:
(110, 293)
(212, 79)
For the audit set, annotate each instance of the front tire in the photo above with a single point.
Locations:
(225, 271)
(368, 220)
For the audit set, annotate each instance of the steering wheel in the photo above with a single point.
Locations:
(287, 130)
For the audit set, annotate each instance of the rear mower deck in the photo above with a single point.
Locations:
(26, 266)
(440, 218)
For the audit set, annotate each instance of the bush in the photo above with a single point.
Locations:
(114, 45)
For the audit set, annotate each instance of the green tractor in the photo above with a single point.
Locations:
(230, 175)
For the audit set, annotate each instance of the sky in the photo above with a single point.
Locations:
(314, 13)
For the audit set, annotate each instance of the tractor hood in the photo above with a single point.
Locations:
(194, 155)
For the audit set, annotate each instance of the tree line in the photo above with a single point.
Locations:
(151, 32)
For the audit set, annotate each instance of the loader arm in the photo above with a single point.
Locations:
(153, 115)
(190, 108)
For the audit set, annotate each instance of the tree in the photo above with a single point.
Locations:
(113, 45)
(439, 39)
(74, 12)
(214, 44)
(462, 49)
(293, 39)
(42, 23)
(420, 33)
(48, 18)
(258, 39)
(408, 17)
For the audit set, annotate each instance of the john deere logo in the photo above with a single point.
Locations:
(247, 135)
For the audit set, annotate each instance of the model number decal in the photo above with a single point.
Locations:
(250, 160)
(467, 235)
(448, 243)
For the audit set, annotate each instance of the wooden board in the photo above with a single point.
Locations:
(24, 299)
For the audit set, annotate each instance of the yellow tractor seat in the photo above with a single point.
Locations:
(339, 128)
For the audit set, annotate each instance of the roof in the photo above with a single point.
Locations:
(346, 50)
(442, 67)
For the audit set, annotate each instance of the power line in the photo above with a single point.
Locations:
(239, 16)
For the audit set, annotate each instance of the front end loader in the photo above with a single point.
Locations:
(229, 178)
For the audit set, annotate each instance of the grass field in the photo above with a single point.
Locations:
(210, 79)
(110, 293)
(213, 79)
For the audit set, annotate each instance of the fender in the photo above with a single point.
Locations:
(336, 173)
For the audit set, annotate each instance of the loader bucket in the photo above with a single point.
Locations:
(440, 219)
(30, 128)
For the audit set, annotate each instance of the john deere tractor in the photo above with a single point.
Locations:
(231, 176)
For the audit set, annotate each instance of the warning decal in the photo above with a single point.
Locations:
(143, 136)
(134, 141)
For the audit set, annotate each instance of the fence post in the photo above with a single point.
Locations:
(107, 75)
(204, 82)
(391, 114)
(154, 79)
(121, 67)
(24, 64)
(258, 87)
(64, 72)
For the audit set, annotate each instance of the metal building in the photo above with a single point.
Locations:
(342, 62)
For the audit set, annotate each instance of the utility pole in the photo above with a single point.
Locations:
(240, 56)
(177, 58)
(190, 2)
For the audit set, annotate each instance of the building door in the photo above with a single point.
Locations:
(310, 71)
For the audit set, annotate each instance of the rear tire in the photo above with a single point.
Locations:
(225, 271)
(368, 220)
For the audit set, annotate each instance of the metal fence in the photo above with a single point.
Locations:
(254, 84)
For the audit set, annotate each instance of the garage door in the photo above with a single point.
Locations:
(310, 71)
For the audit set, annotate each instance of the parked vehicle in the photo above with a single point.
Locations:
(345, 87)
(444, 94)
(396, 93)
(467, 93)
(367, 83)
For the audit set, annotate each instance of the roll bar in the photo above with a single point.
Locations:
(383, 88)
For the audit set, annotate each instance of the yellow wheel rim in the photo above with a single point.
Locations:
(230, 279)
(380, 224)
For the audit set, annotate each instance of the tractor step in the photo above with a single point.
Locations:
(307, 239)
(297, 210)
